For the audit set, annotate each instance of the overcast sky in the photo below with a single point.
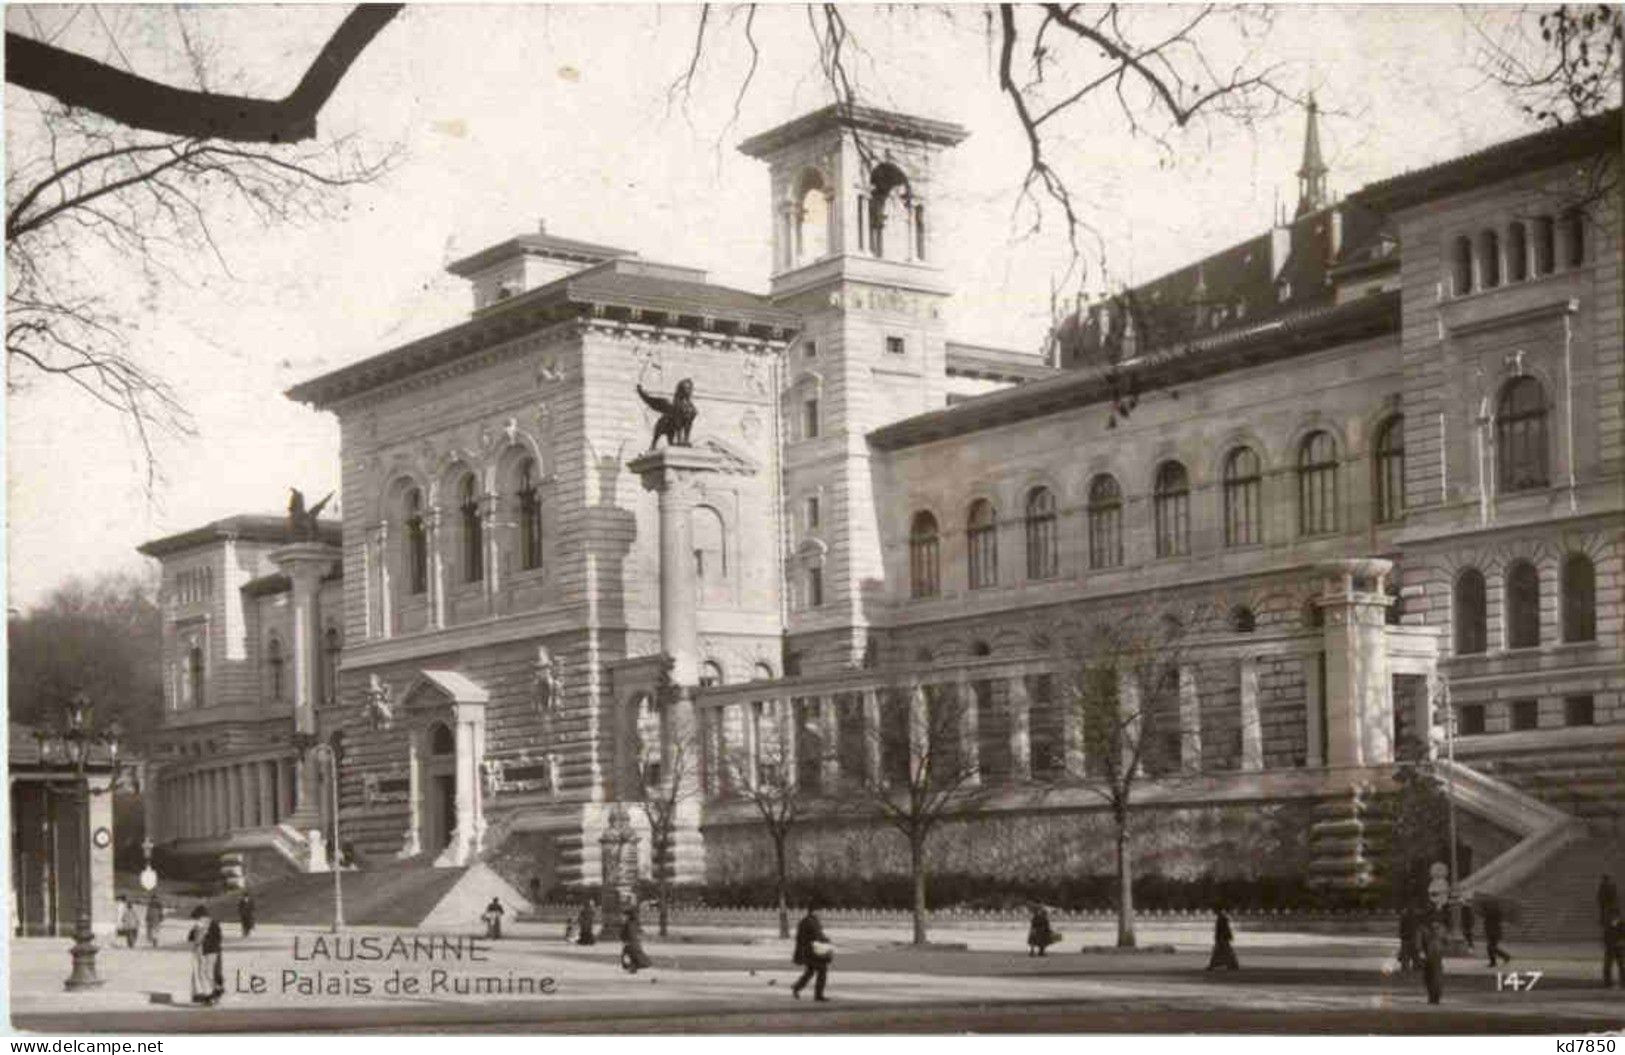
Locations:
(508, 115)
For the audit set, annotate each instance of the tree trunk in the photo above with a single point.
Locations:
(1125, 889)
(916, 861)
(784, 902)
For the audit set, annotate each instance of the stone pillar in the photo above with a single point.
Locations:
(674, 473)
(1190, 721)
(306, 564)
(1021, 730)
(1358, 688)
(1252, 729)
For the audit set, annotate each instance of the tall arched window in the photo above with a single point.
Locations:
(1105, 522)
(1579, 598)
(194, 675)
(1317, 484)
(982, 544)
(1043, 559)
(1520, 435)
(273, 667)
(1489, 263)
(530, 516)
(924, 570)
(710, 547)
(1388, 469)
(1242, 487)
(1523, 605)
(1171, 502)
(473, 535)
(417, 543)
(1462, 265)
(1469, 613)
(1517, 252)
(332, 645)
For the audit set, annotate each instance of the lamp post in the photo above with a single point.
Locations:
(73, 742)
(308, 744)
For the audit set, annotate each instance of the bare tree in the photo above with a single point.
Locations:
(89, 196)
(921, 770)
(768, 782)
(1121, 681)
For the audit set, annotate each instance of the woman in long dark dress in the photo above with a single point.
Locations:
(633, 956)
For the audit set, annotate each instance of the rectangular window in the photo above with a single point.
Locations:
(812, 512)
(1525, 715)
(809, 423)
(894, 345)
(1472, 719)
(1579, 710)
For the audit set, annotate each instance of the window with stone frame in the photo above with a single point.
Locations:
(982, 545)
(924, 552)
(1523, 605)
(1243, 487)
(1043, 557)
(1171, 510)
(473, 534)
(529, 498)
(1388, 470)
(1317, 485)
(1105, 515)
(1470, 613)
(1520, 435)
(1579, 598)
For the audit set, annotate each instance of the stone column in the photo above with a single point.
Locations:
(1021, 730)
(1252, 729)
(306, 564)
(1359, 688)
(1190, 721)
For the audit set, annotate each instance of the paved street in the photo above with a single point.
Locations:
(736, 980)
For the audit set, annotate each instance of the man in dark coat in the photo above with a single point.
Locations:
(1492, 933)
(1224, 952)
(1433, 956)
(245, 913)
(811, 954)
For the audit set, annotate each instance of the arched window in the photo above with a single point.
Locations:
(1471, 636)
(1043, 559)
(1171, 504)
(1579, 598)
(710, 546)
(1489, 264)
(1520, 435)
(982, 544)
(1105, 522)
(890, 203)
(1517, 252)
(923, 547)
(332, 645)
(1317, 484)
(1574, 229)
(1523, 605)
(1462, 261)
(1545, 245)
(1242, 487)
(473, 535)
(811, 219)
(273, 667)
(530, 516)
(417, 543)
(194, 675)
(1388, 469)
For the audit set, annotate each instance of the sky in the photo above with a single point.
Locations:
(509, 115)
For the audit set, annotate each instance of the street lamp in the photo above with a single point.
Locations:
(72, 743)
(309, 744)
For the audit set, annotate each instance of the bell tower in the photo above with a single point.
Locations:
(854, 254)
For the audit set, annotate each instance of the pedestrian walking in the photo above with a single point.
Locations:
(1613, 951)
(155, 919)
(493, 919)
(1040, 935)
(1467, 921)
(1409, 960)
(245, 913)
(1432, 935)
(813, 953)
(1224, 951)
(1492, 933)
(633, 956)
(586, 924)
(208, 972)
(129, 924)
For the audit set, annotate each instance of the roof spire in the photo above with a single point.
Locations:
(1312, 173)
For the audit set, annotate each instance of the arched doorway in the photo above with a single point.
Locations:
(440, 789)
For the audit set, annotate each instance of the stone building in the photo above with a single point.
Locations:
(1382, 439)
